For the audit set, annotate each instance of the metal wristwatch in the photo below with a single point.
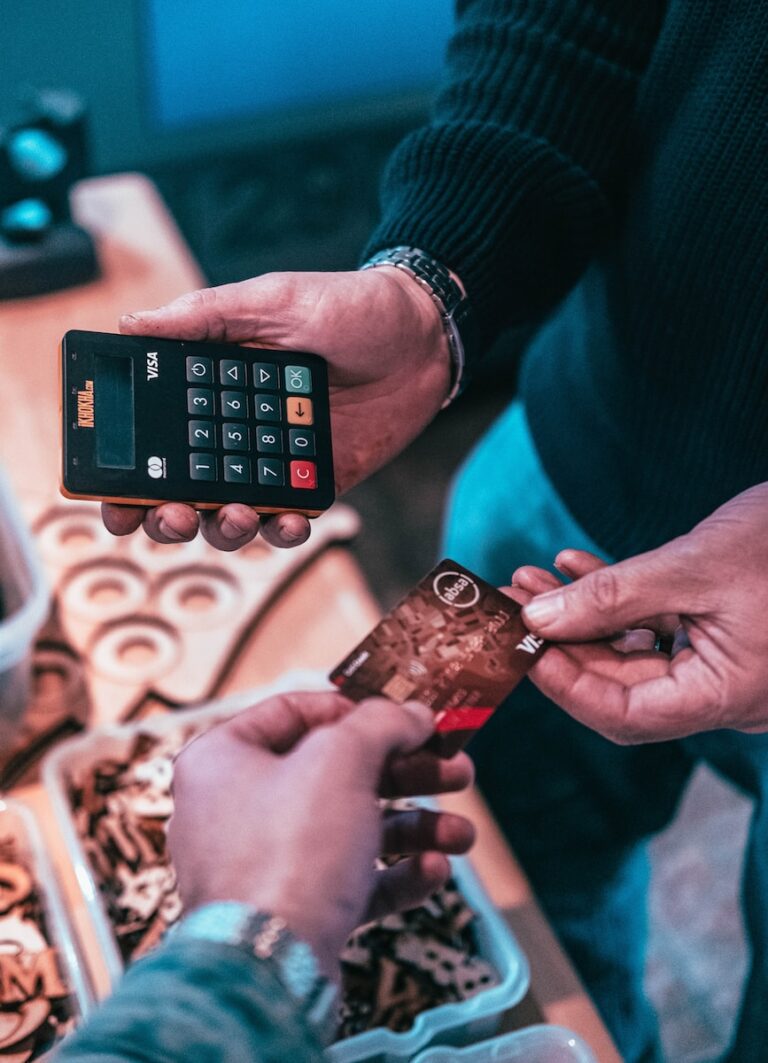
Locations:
(266, 937)
(446, 292)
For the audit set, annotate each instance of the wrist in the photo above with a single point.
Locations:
(448, 296)
(266, 939)
(309, 923)
(427, 332)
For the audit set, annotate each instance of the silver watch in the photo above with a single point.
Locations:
(445, 291)
(266, 937)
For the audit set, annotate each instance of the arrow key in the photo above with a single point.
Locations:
(232, 373)
(299, 410)
(266, 376)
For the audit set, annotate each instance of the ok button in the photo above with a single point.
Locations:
(298, 379)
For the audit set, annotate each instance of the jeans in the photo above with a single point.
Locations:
(577, 810)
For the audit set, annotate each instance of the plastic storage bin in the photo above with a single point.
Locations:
(466, 1020)
(456, 1023)
(24, 600)
(18, 824)
(536, 1044)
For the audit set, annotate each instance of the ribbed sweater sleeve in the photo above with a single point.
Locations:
(518, 178)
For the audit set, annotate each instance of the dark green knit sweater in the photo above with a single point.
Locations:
(601, 166)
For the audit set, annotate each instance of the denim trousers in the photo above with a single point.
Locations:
(577, 810)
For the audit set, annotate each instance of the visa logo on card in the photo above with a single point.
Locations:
(455, 643)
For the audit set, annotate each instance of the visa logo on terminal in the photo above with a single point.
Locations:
(153, 368)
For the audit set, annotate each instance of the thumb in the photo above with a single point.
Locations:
(615, 597)
(378, 729)
(223, 314)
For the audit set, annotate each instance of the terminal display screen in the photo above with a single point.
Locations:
(114, 413)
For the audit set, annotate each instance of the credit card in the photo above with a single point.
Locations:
(455, 643)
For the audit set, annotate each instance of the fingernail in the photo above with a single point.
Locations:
(230, 530)
(288, 532)
(544, 609)
(170, 532)
(130, 319)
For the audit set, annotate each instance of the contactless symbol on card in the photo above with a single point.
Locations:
(455, 643)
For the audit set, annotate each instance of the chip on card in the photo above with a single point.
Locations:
(454, 643)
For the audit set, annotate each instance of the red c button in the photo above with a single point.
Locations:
(303, 474)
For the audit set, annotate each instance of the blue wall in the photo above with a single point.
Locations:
(227, 59)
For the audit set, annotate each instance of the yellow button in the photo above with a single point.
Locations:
(299, 410)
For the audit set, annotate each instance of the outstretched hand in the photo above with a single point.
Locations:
(388, 365)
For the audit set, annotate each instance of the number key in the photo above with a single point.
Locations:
(270, 472)
(234, 404)
(267, 408)
(268, 440)
(235, 437)
(237, 470)
(300, 442)
(200, 401)
(202, 434)
(202, 466)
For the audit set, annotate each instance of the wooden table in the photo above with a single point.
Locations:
(145, 262)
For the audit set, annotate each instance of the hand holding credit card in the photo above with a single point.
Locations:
(455, 643)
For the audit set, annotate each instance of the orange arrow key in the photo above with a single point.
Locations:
(299, 410)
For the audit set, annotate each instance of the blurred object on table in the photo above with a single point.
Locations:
(42, 153)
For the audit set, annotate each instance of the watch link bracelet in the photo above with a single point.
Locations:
(267, 938)
(446, 292)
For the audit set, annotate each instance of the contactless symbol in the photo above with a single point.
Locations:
(155, 467)
(456, 589)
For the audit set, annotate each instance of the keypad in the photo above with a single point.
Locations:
(251, 423)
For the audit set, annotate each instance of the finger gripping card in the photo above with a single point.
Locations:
(455, 643)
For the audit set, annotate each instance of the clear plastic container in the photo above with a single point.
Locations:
(456, 1023)
(467, 1020)
(18, 823)
(24, 601)
(536, 1044)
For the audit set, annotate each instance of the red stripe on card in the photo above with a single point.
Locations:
(463, 718)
